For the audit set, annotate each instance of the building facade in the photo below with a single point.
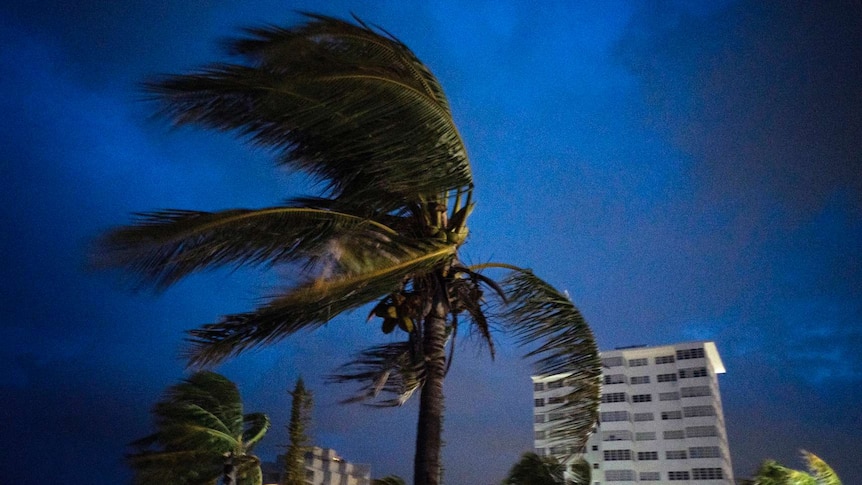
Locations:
(660, 418)
(323, 466)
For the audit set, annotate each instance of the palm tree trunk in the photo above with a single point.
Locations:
(427, 464)
(229, 476)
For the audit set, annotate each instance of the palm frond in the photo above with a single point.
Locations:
(339, 101)
(164, 246)
(256, 426)
(559, 339)
(307, 306)
(822, 472)
(394, 369)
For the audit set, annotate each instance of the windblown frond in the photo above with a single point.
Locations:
(307, 306)
(395, 369)
(165, 246)
(256, 426)
(558, 337)
(342, 102)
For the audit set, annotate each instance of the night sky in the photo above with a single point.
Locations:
(685, 171)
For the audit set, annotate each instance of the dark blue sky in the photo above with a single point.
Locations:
(686, 171)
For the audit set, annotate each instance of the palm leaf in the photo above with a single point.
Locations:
(307, 306)
(560, 341)
(822, 472)
(167, 245)
(341, 102)
(256, 426)
(394, 369)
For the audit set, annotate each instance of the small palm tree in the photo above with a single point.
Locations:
(773, 473)
(354, 108)
(533, 469)
(202, 435)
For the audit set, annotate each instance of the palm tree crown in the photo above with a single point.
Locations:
(356, 110)
(202, 435)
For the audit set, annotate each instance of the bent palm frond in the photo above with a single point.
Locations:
(162, 247)
(341, 102)
(559, 339)
(394, 369)
(307, 306)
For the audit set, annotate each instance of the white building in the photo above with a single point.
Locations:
(660, 417)
(323, 466)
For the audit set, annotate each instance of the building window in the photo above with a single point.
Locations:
(619, 435)
(614, 397)
(539, 418)
(696, 353)
(647, 455)
(644, 417)
(595, 466)
(650, 476)
(595, 447)
(664, 359)
(609, 416)
(692, 372)
(707, 474)
(665, 415)
(675, 455)
(642, 398)
(695, 411)
(666, 377)
(676, 434)
(557, 400)
(538, 386)
(678, 476)
(640, 380)
(555, 384)
(539, 402)
(559, 450)
(645, 436)
(668, 396)
(612, 361)
(695, 391)
(620, 475)
(615, 379)
(704, 452)
(540, 435)
(556, 416)
(638, 362)
(617, 455)
(700, 431)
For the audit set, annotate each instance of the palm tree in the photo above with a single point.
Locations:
(773, 473)
(354, 108)
(202, 435)
(300, 416)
